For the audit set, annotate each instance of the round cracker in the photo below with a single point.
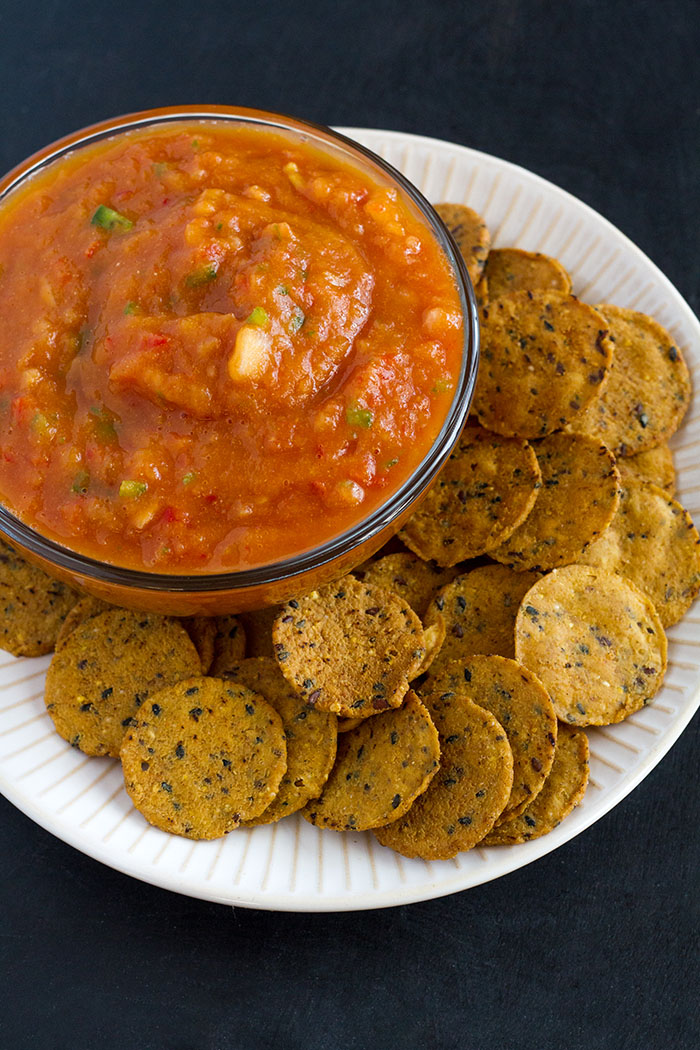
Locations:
(478, 610)
(105, 670)
(229, 644)
(563, 790)
(349, 648)
(204, 756)
(486, 489)
(648, 389)
(257, 629)
(415, 580)
(519, 701)
(653, 542)
(346, 724)
(81, 611)
(655, 465)
(311, 737)
(381, 768)
(202, 631)
(511, 270)
(470, 234)
(34, 605)
(576, 503)
(544, 357)
(595, 641)
(468, 793)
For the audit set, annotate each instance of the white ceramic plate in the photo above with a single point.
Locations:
(292, 866)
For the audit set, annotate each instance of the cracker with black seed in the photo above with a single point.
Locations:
(349, 648)
(519, 701)
(652, 541)
(33, 605)
(470, 234)
(202, 631)
(203, 756)
(417, 582)
(381, 768)
(411, 577)
(562, 792)
(468, 793)
(595, 641)
(84, 609)
(311, 737)
(478, 611)
(654, 465)
(257, 628)
(346, 724)
(486, 489)
(229, 644)
(544, 358)
(576, 503)
(648, 389)
(511, 270)
(107, 668)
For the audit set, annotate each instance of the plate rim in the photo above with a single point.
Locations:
(432, 889)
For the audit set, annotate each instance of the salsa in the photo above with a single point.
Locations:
(219, 348)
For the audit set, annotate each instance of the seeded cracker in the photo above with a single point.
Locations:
(469, 791)
(563, 790)
(202, 631)
(578, 498)
(204, 756)
(413, 579)
(346, 724)
(81, 611)
(595, 641)
(654, 465)
(107, 668)
(544, 357)
(33, 605)
(229, 644)
(257, 628)
(486, 489)
(381, 768)
(349, 648)
(479, 610)
(653, 542)
(311, 738)
(519, 701)
(470, 234)
(511, 270)
(648, 390)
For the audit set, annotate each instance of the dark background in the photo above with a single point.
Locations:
(596, 945)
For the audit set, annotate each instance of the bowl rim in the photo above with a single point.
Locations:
(385, 513)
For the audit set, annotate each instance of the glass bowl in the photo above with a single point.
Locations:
(237, 591)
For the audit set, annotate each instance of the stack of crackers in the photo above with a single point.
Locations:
(438, 696)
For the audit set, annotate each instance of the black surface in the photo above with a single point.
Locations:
(596, 945)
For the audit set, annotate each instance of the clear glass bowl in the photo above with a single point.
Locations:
(209, 594)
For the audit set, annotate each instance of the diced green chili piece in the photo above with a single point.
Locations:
(201, 276)
(442, 386)
(81, 482)
(358, 417)
(40, 423)
(104, 426)
(189, 478)
(297, 320)
(132, 489)
(132, 307)
(257, 316)
(109, 219)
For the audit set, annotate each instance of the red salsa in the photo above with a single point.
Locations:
(219, 347)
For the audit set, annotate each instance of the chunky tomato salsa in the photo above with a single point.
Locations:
(218, 347)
